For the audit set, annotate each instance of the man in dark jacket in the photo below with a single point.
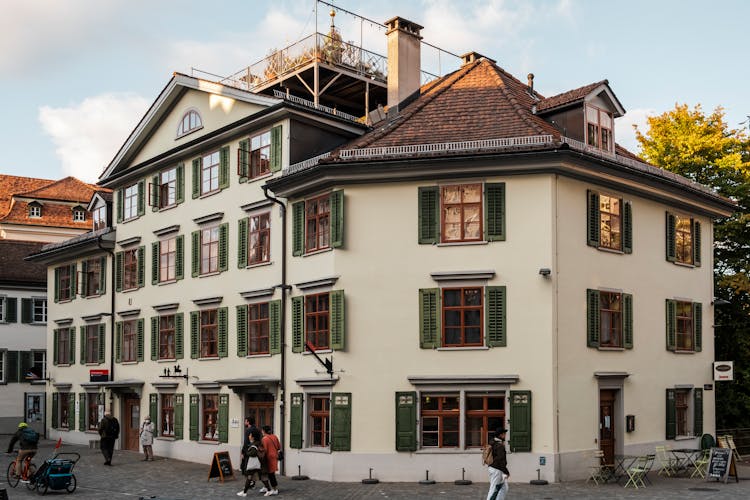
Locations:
(26, 448)
(109, 430)
(498, 469)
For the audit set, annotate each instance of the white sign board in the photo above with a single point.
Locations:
(723, 370)
(234, 423)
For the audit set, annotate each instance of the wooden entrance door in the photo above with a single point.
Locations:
(132, 423)
(607, 424)
(261, 411)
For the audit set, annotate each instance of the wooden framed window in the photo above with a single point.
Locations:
(167, 337)
(95, 410)
(130, 269)
(257, 328)
(64, 404)
(210, 414)
(191, 121)
(129, 341)
(317, 223)
(39, 364)
(210, 173)
(684, 239)
(461, 214)
(168, 188)
(167, 260)
(99, 217)
(463, 314)
(92, 270)
(317, 327)
(39, 310)
(35, 211)
(260, 154)
(599, 128)
(320, 410)
(166, 422)
(610, 217)
(92, 343)
(209, 250)
(130, 208)
(64, 283)
(79, 215)
(610, 307)
(440, 420)
(209, 338)
(63, 346)
(259, 238)
(681, 411)
(484, 414)
(684, 326)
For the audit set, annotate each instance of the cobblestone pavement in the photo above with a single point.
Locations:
(130, 478)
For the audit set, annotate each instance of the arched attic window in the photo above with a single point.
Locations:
(190, 122)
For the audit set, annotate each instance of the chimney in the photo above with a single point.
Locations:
(470, 57)
(530, 78)
(404, 65)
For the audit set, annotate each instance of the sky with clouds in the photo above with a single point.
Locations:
(77, 75)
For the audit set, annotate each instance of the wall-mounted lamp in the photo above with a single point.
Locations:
(545, 271)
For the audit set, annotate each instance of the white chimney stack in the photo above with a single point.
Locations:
(404, 65)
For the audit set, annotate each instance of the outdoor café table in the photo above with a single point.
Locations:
(622, 464)
(685, 458)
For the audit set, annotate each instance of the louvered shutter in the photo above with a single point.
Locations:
(73, 282)
(406, 421)
(154, 191)
(520, 421)
(627, 227)
(242, 243)
(496, 322)
(84, 358)
(337, 219)
(593, 219)
(27, 311)
(71, 411)
(276, 148)
(671, 238)
(671, 323)
(154, 338)
(428, 213)
(194, 334)
(118, 341)
(57, 284)
(11, 312)
(224, 247)
(120, 203)
(242, 163)
(698, 326)
(627, 320)
(153, 408)
(11, 370)
(341, 421)
(295, 421)
(196, 253)
(55, 410)
(155, 263)
(671, 413)
(197, 165)
(179, 415)
(140, 339)
(82, 411)
(179, 258)
(495, 217)
(179, 336)
(223, 418)
(55, 335)
(274, 326)
(696, 243)
(593, 318)
(102, 329)
(242, 331)
(118, 271)
(141, 253)
(223, 314)
(224, 167)
(429, 318)
(194, 398)
(697, 411)
(298, 323)
(72, 352)
(180, 184)
(84, 278)
(337, 320)
(298, 228)
(102, 275)
(141, 197)
(27, 362)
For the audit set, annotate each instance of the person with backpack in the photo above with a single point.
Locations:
(498, 468)
(109, 430)
(28, 441)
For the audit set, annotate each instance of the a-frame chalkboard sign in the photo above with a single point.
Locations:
(721, 465)
(221, 466)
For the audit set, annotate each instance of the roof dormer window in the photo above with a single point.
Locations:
(79, 215)
(191, 121)
(599, 129)
(35, 210)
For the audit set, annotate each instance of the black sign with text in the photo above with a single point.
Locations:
(719, 462)
(221, 466)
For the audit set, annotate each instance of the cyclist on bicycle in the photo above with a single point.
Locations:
(28, 439)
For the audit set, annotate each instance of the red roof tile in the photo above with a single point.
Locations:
(568, 97)
(14, 270)
(11, 184)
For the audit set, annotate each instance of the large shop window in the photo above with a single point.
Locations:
(684, 412)
(319, 320)
(683, 240)
(609, 319)
(684, 326)
(318, 223)
(94, 404)
(166, 415)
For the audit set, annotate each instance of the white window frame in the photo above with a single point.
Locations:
(35, 211)
(99, 217)
(210, 172)
(3, 308)
(182, 129)
(41, 303)
(3, 364)
(35, 355)
(79, 215)
(130, 202)
(168, 177)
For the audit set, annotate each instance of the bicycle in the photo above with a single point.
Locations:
(28, 469)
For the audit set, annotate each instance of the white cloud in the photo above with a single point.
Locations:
(624, 132)
(88, 135)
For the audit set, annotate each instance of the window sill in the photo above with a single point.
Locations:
(91, 431)
(166, 360)
(128, 290)
(166, 438)
(616, 349)
(461, 243)
(263, 355)
(211, 442)
(259, 264)
(93, 363)
(676, 351)
(93, 296)
(168, 207)
(210, 193)
(250, 180)
(317, 351)
(126, 363)
(210, 358)
(131, 219)
(611, 250)
(64, 301)
(684, 438)
(62, 365)
(467, 348)
(168, 282)
(208, 275)
(320, 449)
(316, 252)
(684, 264)
(191, 131)
(443, 451)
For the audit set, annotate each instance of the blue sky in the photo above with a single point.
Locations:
(77, 75)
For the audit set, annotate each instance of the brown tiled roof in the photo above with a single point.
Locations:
(568, 97)
(14, 270)
(11, 184)
(67, 189)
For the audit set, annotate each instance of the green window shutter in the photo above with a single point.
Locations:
(154, 193)
(102, 330)
(593, 219)
(57, 284)
(103, 275)
(118, 341)
(153, 408)
(27, 361)
(224, 167)
(224, 246)
(627, 320)
(337, 320)
(520, 421)
(242, 243)
(118, 271)
(341, 421)
(697, 412)
(11, 314)
(83, 345)
(120, 203)
(155, 263)
(141, 266)
(496, 319)
(73, 282)
(196, 253)
(55, 410)
(627, 227)
(197, 163)
(698, 326)
(179, 415)
(696, 243)
(428, 213)
(84, 278)
(72, 411)
(242, 331)
(154, 338)
(429, 318)
(82, 411)
(72, 353)
(55, 335)
(276, 148)
(671, 415)
(223, 326)
(194, 334)
(495, 217)
(593, 317)
(140, 340)
(295, 421)
(671, 238)
(27, 311)
(194, 399)
(180, 187)
(12, 368)
(337, 219)
(242, 162)
(179, 257)
(223, 418)
(179, 335)
(298, 323)
(141, 197)
(671, 322)
(298, 228)
(406, 421)
(274, 326)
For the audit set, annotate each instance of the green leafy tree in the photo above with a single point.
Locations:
(705, 149)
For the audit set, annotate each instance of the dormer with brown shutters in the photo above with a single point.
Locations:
(586, 114)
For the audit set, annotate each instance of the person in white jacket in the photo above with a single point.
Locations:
(147, 438)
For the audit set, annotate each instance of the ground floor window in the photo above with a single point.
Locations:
(320, 408)
(210, 417)
(166, 422)
(64, 409)
(684, 412)
(440, 420)
(95, 410)
(484, 414)
(460, 420)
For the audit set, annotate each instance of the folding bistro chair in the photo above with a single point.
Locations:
(701, 464)
(598, 471)
(639, 471)
(667, 464)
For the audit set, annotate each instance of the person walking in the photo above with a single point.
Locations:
(147, 438)
(272, 446)
(256, 455)
(28, 440)
(498, 469)
(109, 430)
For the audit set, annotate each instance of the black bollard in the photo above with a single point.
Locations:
(370, 480)
(427, 479)
(463, 481)
(299, 476)
(538, 481)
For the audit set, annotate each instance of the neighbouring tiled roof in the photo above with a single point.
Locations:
(13, 269)
(76, 240)
(67, 189)
(12, 184)
(568, 97)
